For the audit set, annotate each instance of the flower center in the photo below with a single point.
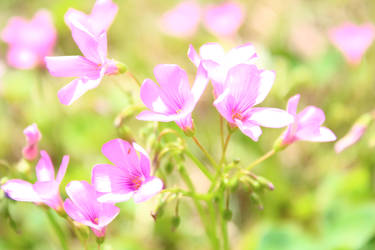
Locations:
(96, 221)
(237, 116)
(137, 182)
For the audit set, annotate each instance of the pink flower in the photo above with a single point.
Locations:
(45, 190)
(130, 177)
(307, 124)
(217, 63)
(89, 68)
(353, 40)
(99, 20)
(225, 19)
(33, 136)
(173, 100)
(29, 41)
(245, 87)
(83, 207)
(182, 20)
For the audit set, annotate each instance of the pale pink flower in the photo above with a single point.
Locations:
(353, 40)
(128, 177)
(182, 20)
(33, 136)
(29, 41)
(173, 100)
(217, 62)
(307, 124)
(245, 87)
(90, 68)
(224, 19)
(83, 207)
(99, 20)
(45, 190)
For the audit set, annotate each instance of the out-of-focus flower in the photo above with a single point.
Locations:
(130, 177)
(29, 41)
(99, 20)
(33, 136)
(225, 19)
(245, 87)
(217, 62)
(353, 40)
(45, 190)
(83, 207)
(307, 125)
(182, 20)
(355, 133)
(173, 100)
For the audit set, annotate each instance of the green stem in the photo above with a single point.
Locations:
(209, 157)
(225, 146)
(213, 224)
(59, 232)
(134, 78)
(221, 131)
(199, 165)
(211, 235)
(261, 159)
(224, 227)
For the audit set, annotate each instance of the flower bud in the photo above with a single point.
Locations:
(227, 214)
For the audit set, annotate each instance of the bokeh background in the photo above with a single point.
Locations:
(322, 200)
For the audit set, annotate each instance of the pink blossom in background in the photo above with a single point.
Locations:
(173, 100)
(29, 41)
(128, 177)
(33, 136)
(45, 190)
(353, 40)
(99, 20)
(307, 124)
(90, 68)
(182, 20)
(83, 207)
(225, 19)
(217, 62)
(245, 87)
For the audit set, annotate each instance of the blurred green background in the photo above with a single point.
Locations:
(321, 200)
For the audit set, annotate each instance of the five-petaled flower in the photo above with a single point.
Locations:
(130, 177)
(83, 207)
(29, 41)
(307, 125)
(90, 35)
(45, 190)
(245, 87)
(33, 136)
(173, 100)
(217, 62)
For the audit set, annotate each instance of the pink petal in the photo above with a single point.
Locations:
(93, 47)
(22, 58)
(48, 192)
(72, 66)
(152, 116)
(267, 79)
(62, 169)
(20, 190)
(115, 197)
(107, 213)
(193, 56)
(241, 54)
(270, 117)
(148, 190)
(84, 198)
(324, 135)
(311, 116)
(44, 168)
(151, 96)
(10, 34)
(109, 179)
(78, 16)
(355, 133)
(212, 51)
(144, 161)
(32, 134)
(122, 154)
(293, 104)
(103, 13)
(200, 84)
(182, 20)
(74, 212)
(249, 129)
(224, 19)
(76, 88)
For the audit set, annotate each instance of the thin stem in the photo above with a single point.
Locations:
(225, 146)
(209, 157)
(224, 205)
(222, 131)
(261, 159)
(134, 78)
(59, 232)
(199, 165)
(214, 217)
